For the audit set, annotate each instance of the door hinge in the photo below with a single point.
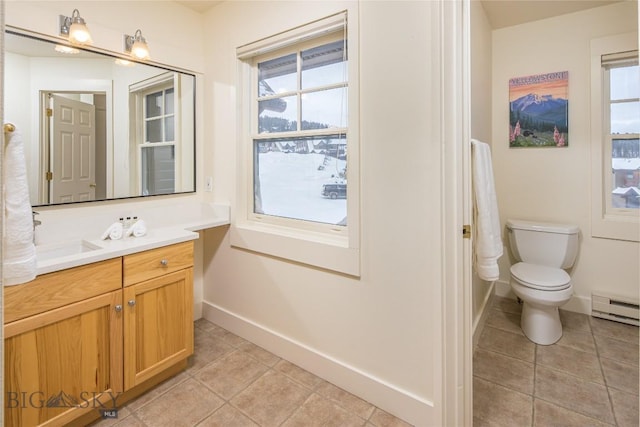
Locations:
(49, 175)
(466, 231)
(49, 112)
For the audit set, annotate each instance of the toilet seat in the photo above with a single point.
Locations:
(540, 277)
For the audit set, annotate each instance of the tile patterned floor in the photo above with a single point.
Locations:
(231, 382)
(588, 378)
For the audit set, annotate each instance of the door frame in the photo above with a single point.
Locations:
(457, 327)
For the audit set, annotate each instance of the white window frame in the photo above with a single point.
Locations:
(607, 222)
(327, 246)
(138, 93)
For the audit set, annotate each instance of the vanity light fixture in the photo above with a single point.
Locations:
(75, 28)
(136, 46)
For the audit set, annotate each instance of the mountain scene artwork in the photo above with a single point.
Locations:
(539, 110)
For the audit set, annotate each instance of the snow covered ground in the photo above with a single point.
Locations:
(291, 186)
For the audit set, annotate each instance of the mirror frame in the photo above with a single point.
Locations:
(10, 30)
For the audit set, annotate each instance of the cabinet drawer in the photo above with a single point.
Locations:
(61, 288)
(156, 262)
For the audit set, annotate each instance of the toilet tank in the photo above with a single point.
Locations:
(552, 245)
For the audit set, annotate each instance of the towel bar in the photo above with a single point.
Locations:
(9, 127)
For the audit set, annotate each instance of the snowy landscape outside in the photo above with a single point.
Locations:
(301, 144)
(625, 123)
(291, 186)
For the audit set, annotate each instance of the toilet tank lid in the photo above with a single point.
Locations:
(546, 227)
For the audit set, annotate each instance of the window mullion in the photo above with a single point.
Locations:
(325, 87)
(299, 88)
(277, 95)
(623, 101)
(299, 134)
(303, 91)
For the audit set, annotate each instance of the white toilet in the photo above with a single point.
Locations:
(539, 280)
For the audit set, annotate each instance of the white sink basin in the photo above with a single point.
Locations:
(62, 249)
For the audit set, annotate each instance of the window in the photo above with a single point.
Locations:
(158, 149)
(299, 141)
(300, 131)
(615, 136)
(622, 109)
(155, 152)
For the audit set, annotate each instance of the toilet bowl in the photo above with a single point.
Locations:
(539, 279)
(543, 290)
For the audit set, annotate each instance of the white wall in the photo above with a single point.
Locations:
(554, 184)
(379, 335)
(481, 97)
(19, 112)
(481, 58)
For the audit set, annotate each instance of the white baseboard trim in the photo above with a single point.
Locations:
(481, 320)
(392, 399)
(577, 303)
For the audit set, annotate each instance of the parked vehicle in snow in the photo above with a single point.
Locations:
(335, 191)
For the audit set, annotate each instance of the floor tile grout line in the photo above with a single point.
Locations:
(311, 389)
(228, 401)
(558, 404)
(504, 386)
(613, 411)
(155, 397)
(572, 410)
(506, 355)
(208, 415)
(272, 368)
(599, 359)
(533, 392)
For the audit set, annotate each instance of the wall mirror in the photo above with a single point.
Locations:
(97, 127)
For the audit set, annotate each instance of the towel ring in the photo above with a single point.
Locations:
(9, 127)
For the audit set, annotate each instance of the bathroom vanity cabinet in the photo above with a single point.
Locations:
(158, 311)
(89, 338)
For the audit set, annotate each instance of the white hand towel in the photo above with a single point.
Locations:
(20, 262)
(138, 229)
(113, 232)
(488, 242)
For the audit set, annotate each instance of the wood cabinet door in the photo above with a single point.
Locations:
(64, 362)
(158, 325)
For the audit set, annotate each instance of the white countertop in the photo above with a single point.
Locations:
(62, 253)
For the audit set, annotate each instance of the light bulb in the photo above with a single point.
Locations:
(79, 34)
(140, 50)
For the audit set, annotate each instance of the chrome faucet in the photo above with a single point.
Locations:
(36, 222)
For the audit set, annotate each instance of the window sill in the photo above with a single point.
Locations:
(616, 228)
(316, 249)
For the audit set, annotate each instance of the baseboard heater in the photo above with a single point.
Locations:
(615, 308)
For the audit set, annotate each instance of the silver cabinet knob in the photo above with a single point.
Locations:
(131, 302)
(118, 308)
(164, 262)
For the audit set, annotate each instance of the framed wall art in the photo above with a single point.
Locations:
(539, 110)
